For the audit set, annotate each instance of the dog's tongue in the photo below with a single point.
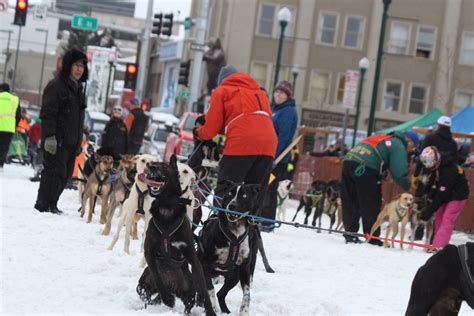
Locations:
(143, 178)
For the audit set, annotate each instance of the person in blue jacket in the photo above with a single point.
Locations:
(284, 120)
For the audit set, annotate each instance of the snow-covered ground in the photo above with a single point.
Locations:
(60, 265)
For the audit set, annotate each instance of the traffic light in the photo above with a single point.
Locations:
(131, 76)
(157, 23)
(20, 12)
(184, 72)
(167, 25)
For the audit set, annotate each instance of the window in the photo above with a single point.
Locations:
(265, 23)
(399, 38)
(327, 27)
(341, 84)
(462, 99)
(392, 94)
(259, 71)
(426, 42)
(319, 86)
(354, 33)
(467, 51)
(418, 98)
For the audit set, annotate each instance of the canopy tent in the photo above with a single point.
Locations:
(426, 119)
(463, 120)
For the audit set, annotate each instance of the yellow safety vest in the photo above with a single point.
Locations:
(8, 106)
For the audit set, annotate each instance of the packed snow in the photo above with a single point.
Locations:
(60, 265)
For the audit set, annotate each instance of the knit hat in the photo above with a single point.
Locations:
(444, 120)
(286, 87)
(414, 138)
(430, 157)
(134, 101)
(225, 72)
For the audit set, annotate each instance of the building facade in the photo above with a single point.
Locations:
(428, 59)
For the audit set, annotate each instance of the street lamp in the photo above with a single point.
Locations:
(378, 66)
(7, 54)
(295, 70)
(42, 63)
(363, 65)
(284, 16)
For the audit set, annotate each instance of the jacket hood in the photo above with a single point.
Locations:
(69, 59)
(241, 79)
(444, 132)
(401, 136)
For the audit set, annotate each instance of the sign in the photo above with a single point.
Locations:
(99, 68)
(118, 85)
(40, 12)
(196, 46)
(316, 118)
(350, 89)
(187, 23)
(183, 94)
(3, 5)
(171, 51)
(85, 23)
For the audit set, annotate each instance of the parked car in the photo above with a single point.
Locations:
(161, 117)
(180, 142)
(155, 139)
(95, 123)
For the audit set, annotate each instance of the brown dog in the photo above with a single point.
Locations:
(98, 185)
(121, 189)
(420, 205)
(396, 211)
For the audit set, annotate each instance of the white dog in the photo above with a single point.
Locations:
(131, 206)
(283, 191)
(187, 178)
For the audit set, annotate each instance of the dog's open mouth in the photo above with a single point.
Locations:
(155, 184)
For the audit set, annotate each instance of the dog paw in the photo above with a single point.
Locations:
(210, 312)
(270, 270)
(224, 308)
(168, 300)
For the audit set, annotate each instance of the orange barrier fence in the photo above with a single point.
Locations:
(310, 168)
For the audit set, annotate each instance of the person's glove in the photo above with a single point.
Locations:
(425, 216)
(414, 181)
(51, 145)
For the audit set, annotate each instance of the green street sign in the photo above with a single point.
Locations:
(183, 94)
(86, 23)
(187, 23)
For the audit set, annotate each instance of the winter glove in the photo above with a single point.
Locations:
(414, 181)
(425, 216)
(51, 145)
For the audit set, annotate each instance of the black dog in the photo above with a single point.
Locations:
(312, 198)
(229, 245)
(169, 245)
(446, 279)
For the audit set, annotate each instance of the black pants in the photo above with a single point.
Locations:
(270, 203)
(244, 169)
(133, 148)
(361, 197)
(57, 170)
(5, 139)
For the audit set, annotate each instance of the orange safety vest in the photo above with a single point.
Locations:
(23, 125)
(374, 140)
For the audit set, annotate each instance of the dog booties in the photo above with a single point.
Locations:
(466, 255)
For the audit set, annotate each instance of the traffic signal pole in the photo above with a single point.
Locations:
(201, 27)
(144, 52)
(16, 58)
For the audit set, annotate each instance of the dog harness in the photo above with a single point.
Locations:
(466, 256)
(167, 233)
(315, 196)
(101, 182)
(141, 200)
(128, 189)
(281, 199)
(401, 215)
(234, 247)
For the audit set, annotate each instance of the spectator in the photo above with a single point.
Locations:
(34, 135)
(449, 196)
(10, 114)
(62, 125)
(240, 109)
(333, 150)
(284, 121)
(136, 123)
(362, 172)
(115, 133)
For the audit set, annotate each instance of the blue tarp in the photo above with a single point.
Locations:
(463, 120)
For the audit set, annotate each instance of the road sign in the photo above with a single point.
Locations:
(187, 23)
(195, 46)
(183, 94)
(86, 23)
(40, 12)
(350, 89)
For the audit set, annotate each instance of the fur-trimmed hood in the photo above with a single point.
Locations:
(69, 59)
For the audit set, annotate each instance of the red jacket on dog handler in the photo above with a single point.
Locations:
(241, 110)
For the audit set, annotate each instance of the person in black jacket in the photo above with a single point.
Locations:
(115, 134)
(62, 126)
(137, 123)
(449, 195)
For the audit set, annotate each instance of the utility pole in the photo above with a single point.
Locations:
(378, 66)
(142, 68)
(201, 26)
(16, 58)
(7, 55)
(42, 63)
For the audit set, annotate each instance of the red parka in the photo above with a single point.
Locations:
(241, 110)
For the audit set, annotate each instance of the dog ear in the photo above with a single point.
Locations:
(174, 162)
